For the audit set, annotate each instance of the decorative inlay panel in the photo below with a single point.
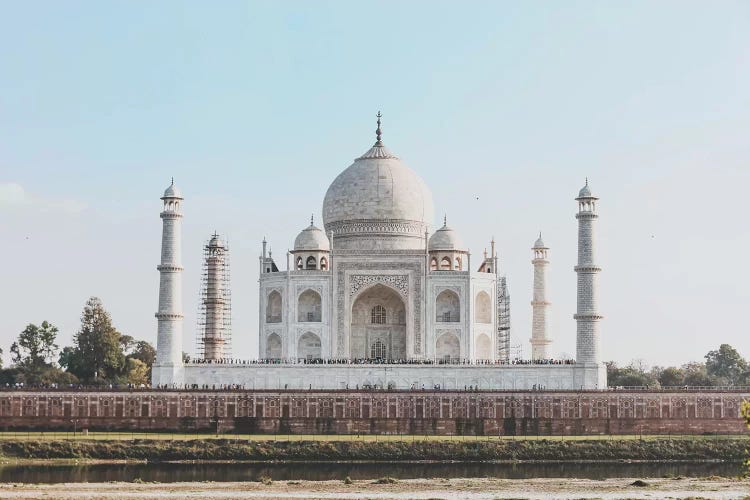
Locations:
(344, 294)
(359, 281)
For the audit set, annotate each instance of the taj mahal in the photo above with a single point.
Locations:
(377, 297)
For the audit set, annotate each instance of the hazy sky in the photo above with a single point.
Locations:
(502, 107)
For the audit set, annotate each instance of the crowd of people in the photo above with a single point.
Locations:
(379, 361)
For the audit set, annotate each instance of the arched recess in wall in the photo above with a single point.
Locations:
(309, 307)
(483, 308)
(273, 307)
(484, 347)
(323, 264)
(378, 313)
(273, 346)
(448, 307)
(312, 263)
(447, 347)
(445, 264)
(308, 346)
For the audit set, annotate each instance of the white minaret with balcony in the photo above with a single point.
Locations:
(539, 304)
(587, 316)
(168, 367)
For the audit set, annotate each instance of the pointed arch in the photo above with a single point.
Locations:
(273, 346)
(483, 347)
(447, 347)
(274, 307)
(309, 307)
(483, 308)
(308, 346)
(448, 307)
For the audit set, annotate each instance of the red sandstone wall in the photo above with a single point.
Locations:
(403, 412)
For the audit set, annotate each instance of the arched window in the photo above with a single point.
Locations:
(457, 264)
(483, 308)
(323, 264)
(273, 307)
(300, 264)
(445, 264)
(377, 350)
(273, 346)
(309, 306)
(378, 317)
(448, 307)
(433, 264)
(312, 263)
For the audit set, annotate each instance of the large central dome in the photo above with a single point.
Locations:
(378, 203)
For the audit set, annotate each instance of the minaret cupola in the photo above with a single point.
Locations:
(447, 251)
(312, 249)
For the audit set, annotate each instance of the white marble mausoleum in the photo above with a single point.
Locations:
(379, 297)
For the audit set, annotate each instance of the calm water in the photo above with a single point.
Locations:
(336, 471)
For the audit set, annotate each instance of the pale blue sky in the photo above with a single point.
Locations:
(254, 108)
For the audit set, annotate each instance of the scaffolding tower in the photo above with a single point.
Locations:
(503, 319)
(214, 333)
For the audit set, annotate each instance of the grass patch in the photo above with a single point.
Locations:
(337, 451)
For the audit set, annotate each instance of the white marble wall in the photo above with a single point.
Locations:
(486, 377)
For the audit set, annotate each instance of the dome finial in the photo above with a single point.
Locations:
(445, 220)
(172, 182)
(378, 132)
(312, 219)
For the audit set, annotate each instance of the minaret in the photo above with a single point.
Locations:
(587, 316)
(539, 304)
(168, 366)
(215, 300)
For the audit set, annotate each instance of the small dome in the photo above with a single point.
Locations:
(312, 239)
(539, 243)
(585, 192)
(216, 241)
(172, 192)
(445, 238)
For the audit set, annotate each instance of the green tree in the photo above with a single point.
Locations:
(726, 363)
(97, 351)
(137, 372)
(633, 375)
(697, 375)
(35, 346)
(1, 358)
(671, 376)
(145, 352)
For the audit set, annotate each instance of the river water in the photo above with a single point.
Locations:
(182, 472)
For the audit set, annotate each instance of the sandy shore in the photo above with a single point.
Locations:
(423, 489)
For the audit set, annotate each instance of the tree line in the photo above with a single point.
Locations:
(722, 367)
(100, 355)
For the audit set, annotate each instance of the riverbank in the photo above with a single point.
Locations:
(733, 449)
(436, 488)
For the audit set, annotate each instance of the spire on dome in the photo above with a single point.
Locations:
(378, 151)
(312, 220)
(445, 220)
(378, 132)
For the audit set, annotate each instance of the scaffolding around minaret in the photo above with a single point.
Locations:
(214, 333)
